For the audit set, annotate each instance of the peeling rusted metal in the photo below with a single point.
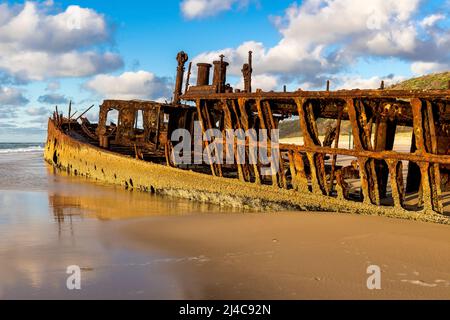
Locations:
(142, 130)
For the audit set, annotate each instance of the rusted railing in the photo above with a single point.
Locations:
(374, 116)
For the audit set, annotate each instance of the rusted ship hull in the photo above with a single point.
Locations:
(82, 159)
(135, 144)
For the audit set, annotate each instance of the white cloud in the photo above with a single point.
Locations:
(431, 20)
(36, 45)
(37, 111)
(320, 38)
(12, 97)
(193, 9)
(264, 82)
(356, 82)
(421, 68)
(131, 85)
(41, 65)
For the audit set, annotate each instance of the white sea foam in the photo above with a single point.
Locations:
(36, 149)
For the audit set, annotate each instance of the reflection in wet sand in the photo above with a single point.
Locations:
(78, 196)
(50, 221)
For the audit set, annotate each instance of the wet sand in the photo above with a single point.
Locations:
(300, 255)
(133, 245)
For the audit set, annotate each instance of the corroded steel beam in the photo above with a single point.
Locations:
(311, 137)
(362, 140)
(397, 185)
(385, 155)
(205, 123)
(341, 94)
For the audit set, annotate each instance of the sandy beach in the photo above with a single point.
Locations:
(133, 245)
(301, 255)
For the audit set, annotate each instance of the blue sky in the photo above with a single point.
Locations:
(127, 49)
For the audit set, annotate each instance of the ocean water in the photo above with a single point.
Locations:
(21, 147)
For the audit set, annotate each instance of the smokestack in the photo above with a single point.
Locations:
(203, 74)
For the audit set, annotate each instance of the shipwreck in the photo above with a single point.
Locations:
(131, 146)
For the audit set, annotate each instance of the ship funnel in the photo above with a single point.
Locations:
(203, 74)
(220, 75)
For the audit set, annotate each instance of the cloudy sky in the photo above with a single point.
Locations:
(52, 52)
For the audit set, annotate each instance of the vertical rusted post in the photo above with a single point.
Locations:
(262, 122)
(293, 170)
(302, 180)
(70, 113)
(426, 142)
(204, 126)
(188, 79)
(250, 64)
(342, 191)
(229, 126)
(209, 125)
(274, 126)
(416, 107)
(297, 168)
(167, 153)
(435, 174)
(240, 119)
(246, 127)
(264, 126)
(336, 146)
(58, 124)
(425, 193)
(384, 141)
(182, 57)
(311, 138)
(397, 186)
(369, 183)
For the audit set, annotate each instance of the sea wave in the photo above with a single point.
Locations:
(36, 149)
